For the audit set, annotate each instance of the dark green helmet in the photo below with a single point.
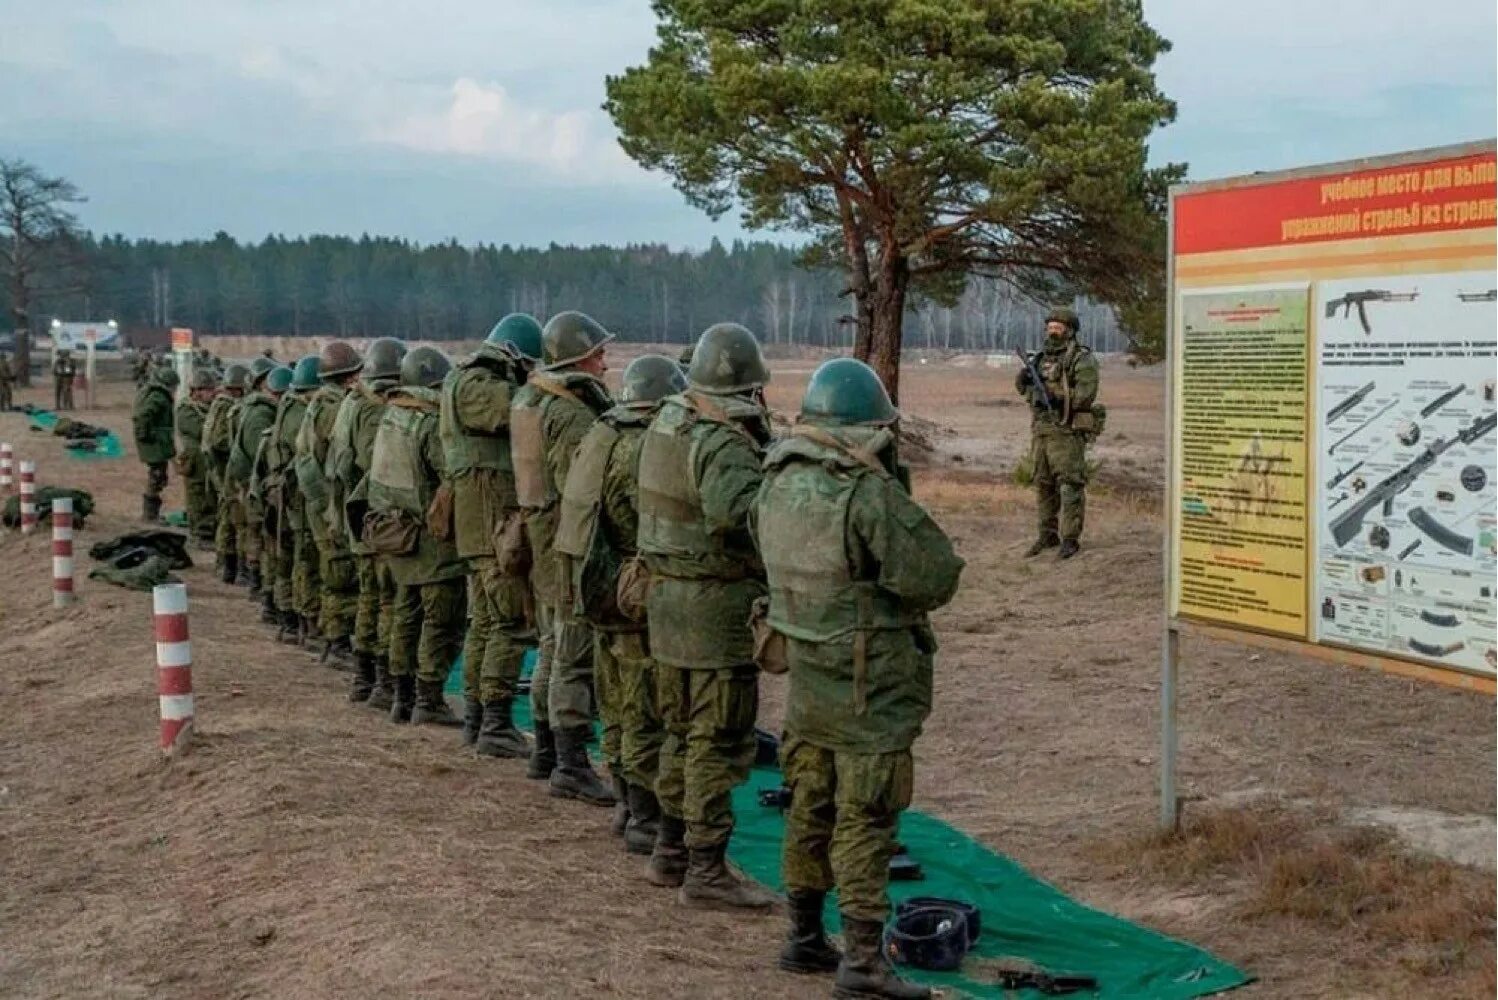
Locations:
(727, 359)
(383, 359)
(167, 377)
(305, 375)
(259, 368)
(651, 377)
(236, 376)
(845, 391)
(570, 337)
(204, 378)
(338, 358)
(1064, 316)
(425, 366)
(518, 335)
(279, 380)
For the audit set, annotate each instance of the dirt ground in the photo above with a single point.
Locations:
(307, 848)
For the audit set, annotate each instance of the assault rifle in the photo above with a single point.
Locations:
(1035, 380)
(1361, 300)
(1347, 525)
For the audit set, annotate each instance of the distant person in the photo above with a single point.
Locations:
(192, 462)
(154, 437)
(1062, 425)
(64, 371)
(7, 380)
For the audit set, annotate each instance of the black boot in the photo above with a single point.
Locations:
(244, 572)
(712, 883)
(150, 509)
(268, 613)
(290, 628)
(621, 806)
(644, 820)
(574, 777)
(364, 678)
(432, 708)
(1047, 541)
(543, 754)
(498, 736)
(337, 653)
(1069, 548)
(382, 695)
(865, 972)
(253, 580)
(668, 859)
(806, 946)
(473, 720)
(230, 569)
(404, 699)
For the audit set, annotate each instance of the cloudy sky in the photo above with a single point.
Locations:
(480, 120)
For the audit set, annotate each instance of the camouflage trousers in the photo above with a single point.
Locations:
(375, 607)
(230, 536)
(156, 479)
(251, 528)
(306, 574)
(709, 718)
(624, 676)
(562, 686)
(5, 396)
(339, 578)
(426, 629)
(62, 395)
(1060, 461)
(842, 823)
(202, 503)
(280, 567)
(499, 632)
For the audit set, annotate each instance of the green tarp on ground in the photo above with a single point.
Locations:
(108, 446)
(1023, 917)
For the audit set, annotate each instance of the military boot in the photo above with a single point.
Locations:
(364, 678)
(574, 777)
(1069, 548)
(806, 946)
(712, 883)
(621, 806)
(473, 720)
(150, 509)
(382, 695)
(498, 736)
(289, 628)
(229, 572)
(337, 652)
(432, 708)
(543, 754)
(668, 860)
(1041, 544)
(644, 820)
(252, 580)
(244, 572)
(403, 701)
(268, 613)
(865, 972)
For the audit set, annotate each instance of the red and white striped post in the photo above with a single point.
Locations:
(7, 470)
(28, 497)
(62, 552)
(173, 666)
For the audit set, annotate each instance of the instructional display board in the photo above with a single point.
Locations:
(1333, 453)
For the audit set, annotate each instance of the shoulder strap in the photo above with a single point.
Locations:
(553, 387)
(412, 403)
(705, 407)
(866, 456)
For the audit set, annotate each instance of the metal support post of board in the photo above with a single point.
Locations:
(1170, 659)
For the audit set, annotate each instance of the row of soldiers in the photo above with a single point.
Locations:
(64, 373)
(658, 548)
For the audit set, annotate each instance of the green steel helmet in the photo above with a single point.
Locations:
(305, 375)
(279, 380)
(237, 376)
(1064, 316)
(383, 359)
(651, 377)
(845, 391)
(425, 366)
(259, 369)
(570, 337)
(167, 377)
(338, 358)
(727, 359)
(204, 378)
(518, 334)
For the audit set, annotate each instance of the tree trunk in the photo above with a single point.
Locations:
(887, 317)
(21, 308)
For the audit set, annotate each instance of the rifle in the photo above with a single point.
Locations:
(1347, 525)
(1361, 300)
(1489, 296)
(1352, 400)
(1035, 380)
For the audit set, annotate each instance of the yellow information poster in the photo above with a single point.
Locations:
(1242, 364)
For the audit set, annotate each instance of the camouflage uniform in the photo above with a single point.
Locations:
(152, 419)
(64, 371)
(285, 503)
(7, 379)
(218, 439)
(1059, 436)
(192, 464)
(249, 420)
(332, 575)
(474, 430)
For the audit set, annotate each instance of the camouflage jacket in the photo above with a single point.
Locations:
(153, 424)
(475, 433)
(191, 416)
(853, 566)
(407, 443)
(1070, 372)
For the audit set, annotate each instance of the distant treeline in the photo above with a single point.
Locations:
(378, 286)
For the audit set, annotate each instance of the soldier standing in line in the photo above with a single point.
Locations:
(599, 521)
(192, 463)
(7, 380)
(475, 431)
(64, 371)
(284, 500)
(153, 437)
(266, 507)
(407, 483)
(332, 579)
(218, 439)
(1065, 419)
(854, 567)
(350, 452)
(250, 418)
(699, 471)
(548, 419)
